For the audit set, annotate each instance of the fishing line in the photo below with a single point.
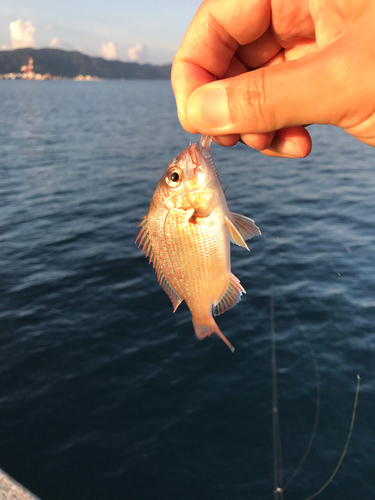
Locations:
(318, 391)
(346, 444)
(276, 434)
(278, 490)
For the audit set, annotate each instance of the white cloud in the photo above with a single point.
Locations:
(138, 53)
(22, 34)
(4, 47)
(108, 51)
(57, 43)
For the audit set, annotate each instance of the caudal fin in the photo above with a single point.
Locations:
(206, 328)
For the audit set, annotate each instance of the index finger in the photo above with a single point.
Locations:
(216, 31)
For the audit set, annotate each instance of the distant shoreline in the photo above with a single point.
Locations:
(93, 79)
(38, 78)
(60, 64)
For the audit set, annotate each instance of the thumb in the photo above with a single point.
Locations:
(313, 89)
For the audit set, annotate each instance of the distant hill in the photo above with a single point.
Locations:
(70, 64)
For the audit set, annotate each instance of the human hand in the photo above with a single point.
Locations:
(311, 61)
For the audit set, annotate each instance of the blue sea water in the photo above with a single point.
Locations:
(105, 394)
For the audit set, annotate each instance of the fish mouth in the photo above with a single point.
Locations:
(194, 152)
(200, 201)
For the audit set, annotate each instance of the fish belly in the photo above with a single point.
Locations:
(197, 259)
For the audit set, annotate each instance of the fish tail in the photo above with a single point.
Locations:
(208, 326)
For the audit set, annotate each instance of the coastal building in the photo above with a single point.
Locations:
(28, 70)
(26, 73)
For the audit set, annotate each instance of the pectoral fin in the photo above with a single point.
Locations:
(146, 243)
(231, 297)
(246, 226)
(241, 228)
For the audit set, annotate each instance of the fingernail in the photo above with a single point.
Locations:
(288, 148)
(210, 108)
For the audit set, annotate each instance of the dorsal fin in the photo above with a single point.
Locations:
(145, 240)
(231, 297)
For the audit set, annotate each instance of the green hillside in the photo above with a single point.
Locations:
(70, 64)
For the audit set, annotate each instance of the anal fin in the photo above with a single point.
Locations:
(231, 297)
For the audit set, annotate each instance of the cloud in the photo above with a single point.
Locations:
(4, 47)
(22, 34)
(57, 43)
(108, 51)
(138, 53)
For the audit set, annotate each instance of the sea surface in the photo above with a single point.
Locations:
(107, 395)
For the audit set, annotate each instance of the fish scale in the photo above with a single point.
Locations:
(186, 235)
(199, 252)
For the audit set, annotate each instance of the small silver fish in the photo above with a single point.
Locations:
(187, 235)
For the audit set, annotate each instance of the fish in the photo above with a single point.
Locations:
(187, 233)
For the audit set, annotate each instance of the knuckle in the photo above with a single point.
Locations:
(253, 103)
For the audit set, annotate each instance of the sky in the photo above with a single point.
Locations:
(145, 31)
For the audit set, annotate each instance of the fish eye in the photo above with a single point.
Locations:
(174, 178)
